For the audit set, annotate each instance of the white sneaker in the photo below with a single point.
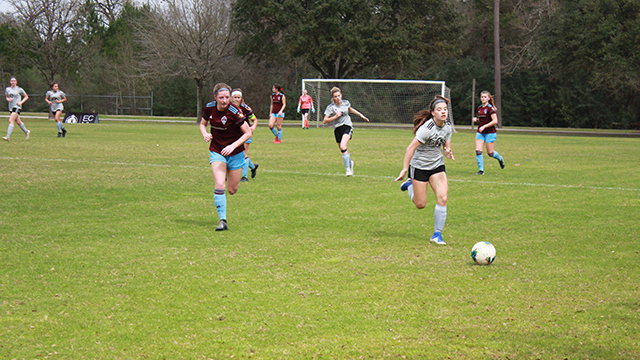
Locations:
(5, 138)
(350, 170)
(26, 135)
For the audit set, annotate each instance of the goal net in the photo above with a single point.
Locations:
(382, 101)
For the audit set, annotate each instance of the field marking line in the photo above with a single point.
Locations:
(325, 174)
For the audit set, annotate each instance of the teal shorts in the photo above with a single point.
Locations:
(248, 141)
(488, 138)
(234, 162)
(277, 116)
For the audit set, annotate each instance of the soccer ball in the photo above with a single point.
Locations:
(483, 253)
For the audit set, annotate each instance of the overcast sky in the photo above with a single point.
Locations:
(4, 6)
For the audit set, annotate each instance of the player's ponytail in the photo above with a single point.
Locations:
(279, 88)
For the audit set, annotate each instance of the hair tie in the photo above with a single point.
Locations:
(433, 106)
(221, 90)
(236, 92)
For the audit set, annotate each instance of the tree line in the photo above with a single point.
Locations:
(565, 63)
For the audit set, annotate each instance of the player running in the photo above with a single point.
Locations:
(424, 161)
(55, 97)
(487, 120)
(236, 99)
(276, 112)
(338, 110)
(229, 131)
(16, 96)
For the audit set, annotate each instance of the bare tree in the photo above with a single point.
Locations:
(109, 10)
(189, 38)
(48, 36)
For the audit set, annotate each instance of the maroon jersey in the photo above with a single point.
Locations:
(484, 117)
(276, 100)
(247, 111)
(225, 126)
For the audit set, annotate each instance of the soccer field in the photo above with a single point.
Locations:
(108, 249)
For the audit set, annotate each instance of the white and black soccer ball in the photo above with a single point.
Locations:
(483, 253)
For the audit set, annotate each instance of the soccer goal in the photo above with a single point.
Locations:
(382, 101)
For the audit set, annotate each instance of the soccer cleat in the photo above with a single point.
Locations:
(5, 138)
(437, 238)
(244, 179)
(276, 141)
(59, 134)
(350, 170)
(405, 185)
(501, 163)
(26, 135)
(222, 226)
(254, 170)
(480, 172)
(64, 132)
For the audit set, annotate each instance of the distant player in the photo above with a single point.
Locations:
(487, 120)
(305, 103)
(276, 112)
(55, 97)
(250, 117)
(424, 161)
(16, 96)
(229, 131)
(338, 110)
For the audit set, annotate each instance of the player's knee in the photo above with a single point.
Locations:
(478, 152)
(343, 150)
(490, 154)
(420, 205)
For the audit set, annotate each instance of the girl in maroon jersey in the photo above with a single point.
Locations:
(487, 120)
(276, 112)
(229, 131)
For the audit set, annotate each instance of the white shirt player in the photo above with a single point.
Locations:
(344, 119)
(15, 94)
(53, 96)
(428, 155)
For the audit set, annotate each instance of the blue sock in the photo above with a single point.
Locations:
(9, 130)
(496, 156)
(347, 160)
(279, 134)
(245, 167)
(439, 217)
(59, 126)
(220, 200)
(251, 166)
(480, 161)
(274, 131)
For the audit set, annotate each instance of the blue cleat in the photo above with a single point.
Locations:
(405, 185)
(437, 238)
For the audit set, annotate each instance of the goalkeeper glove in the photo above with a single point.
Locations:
(298, 108)
(313, 109)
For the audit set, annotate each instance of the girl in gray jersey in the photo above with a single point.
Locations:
(16, 96)
(424, 161)
(338, 111)
(55, 97)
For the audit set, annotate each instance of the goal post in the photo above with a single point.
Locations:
(382, 101)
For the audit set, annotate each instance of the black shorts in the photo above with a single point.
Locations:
(15, 110)
(304, 111)
(342, 130)
(424, 175)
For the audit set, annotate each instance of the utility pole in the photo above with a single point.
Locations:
(496, 57)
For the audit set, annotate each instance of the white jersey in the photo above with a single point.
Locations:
(344, 119)
(53, 96)
(428, 155)
(15, 95)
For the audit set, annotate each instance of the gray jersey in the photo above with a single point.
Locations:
(428, 155)
(15, 94)
(53, 96)
(344, 119)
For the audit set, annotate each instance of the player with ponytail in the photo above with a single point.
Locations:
(486, 134)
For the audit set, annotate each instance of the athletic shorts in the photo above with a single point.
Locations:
(234, 162)
(277, 116)
(488, 138)
(248, 141)
(424, 175)
(341, 131)
(15, 110)
(304, 111)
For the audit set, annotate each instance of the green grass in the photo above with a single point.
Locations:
(108, 249)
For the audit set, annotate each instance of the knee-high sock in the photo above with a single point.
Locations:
(24, 128)
(480, 161)
(274, 131)
(220, 200)
(9, 130)
(245, 167)
(347, 160)
(410, 191)
(251, 166)
(496, 156)
(279, 134)
(439, 217)
(59, 126)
